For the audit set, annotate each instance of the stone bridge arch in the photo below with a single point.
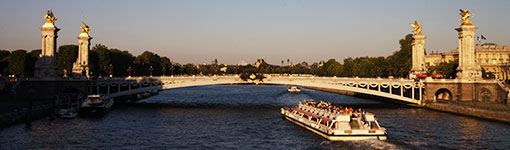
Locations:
(443, 94)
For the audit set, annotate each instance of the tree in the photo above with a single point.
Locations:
(448, 68)
(4, 60)
(103, 59)
(67, 55)
(348, 67)
(401, 60)
(17, 61)
(147, 59)
(120, 60)
(30, 63)
(93, 63)
(165, 64)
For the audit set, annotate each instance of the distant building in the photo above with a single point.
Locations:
(305, 64)
(259, 61)
(321, 63)
(242, 63)
(491, 57)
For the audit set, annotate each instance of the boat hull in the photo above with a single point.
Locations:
(338, 137)
(334, 135)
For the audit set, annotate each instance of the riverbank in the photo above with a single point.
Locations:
(498, 112)
(13, 112)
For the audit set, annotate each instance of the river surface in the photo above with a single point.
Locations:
(247, 117)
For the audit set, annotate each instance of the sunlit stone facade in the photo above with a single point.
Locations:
(491, 57)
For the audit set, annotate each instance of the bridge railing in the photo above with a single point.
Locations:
(400, 89)
(120, 87)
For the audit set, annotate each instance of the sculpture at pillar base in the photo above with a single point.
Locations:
(418, 64)
(81, 66)
(469, 69)
(46, 66)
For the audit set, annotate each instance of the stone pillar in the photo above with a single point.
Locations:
(419, 54)
(82, 62)
(469, 69)
(46, 66)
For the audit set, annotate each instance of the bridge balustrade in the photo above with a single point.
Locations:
(399, 89)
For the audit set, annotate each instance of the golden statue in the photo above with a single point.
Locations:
(465, 17)
(416, 28)
(84, 28)
(50, 17)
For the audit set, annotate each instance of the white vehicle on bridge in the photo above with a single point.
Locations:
(335, 123)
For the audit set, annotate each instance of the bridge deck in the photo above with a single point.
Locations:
(398, 89)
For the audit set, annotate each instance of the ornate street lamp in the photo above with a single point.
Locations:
(150, 70)
(129, 71)
(110, 70)
(182, 70)
(172, 69)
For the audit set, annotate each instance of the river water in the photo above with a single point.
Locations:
(247, 117)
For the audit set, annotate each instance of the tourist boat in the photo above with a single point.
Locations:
(97, 103)
(293, 89)
(335, 123)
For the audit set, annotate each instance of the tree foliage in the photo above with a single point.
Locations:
(147, 60)
(32, 57)
(103, 59)
(17, 61)
(448, 68)
(67, 55)
(4, 60)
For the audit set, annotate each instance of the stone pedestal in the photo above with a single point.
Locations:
(81, 66)
(469, 69)
(46, 66)
(418, 66)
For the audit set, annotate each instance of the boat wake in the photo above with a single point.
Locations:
(359, 144)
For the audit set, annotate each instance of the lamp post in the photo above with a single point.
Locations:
(172, 70)
(163, 70)
(150, 71)
(110, 70)
(143, 69)
(129, 71)
(195, 70)
(134, 71)
(182, 70)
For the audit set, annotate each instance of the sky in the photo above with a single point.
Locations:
(199, 31)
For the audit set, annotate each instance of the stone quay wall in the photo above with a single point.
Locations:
(498, 115)
(21, 113)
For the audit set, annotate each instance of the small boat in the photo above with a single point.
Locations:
(294, 89)
(68, 113)
(335, 123)
(97, 103)
(68, 106)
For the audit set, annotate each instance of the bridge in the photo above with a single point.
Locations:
(409, 91)
(404, 90)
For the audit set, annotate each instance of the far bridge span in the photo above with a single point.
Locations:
(404, 90)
